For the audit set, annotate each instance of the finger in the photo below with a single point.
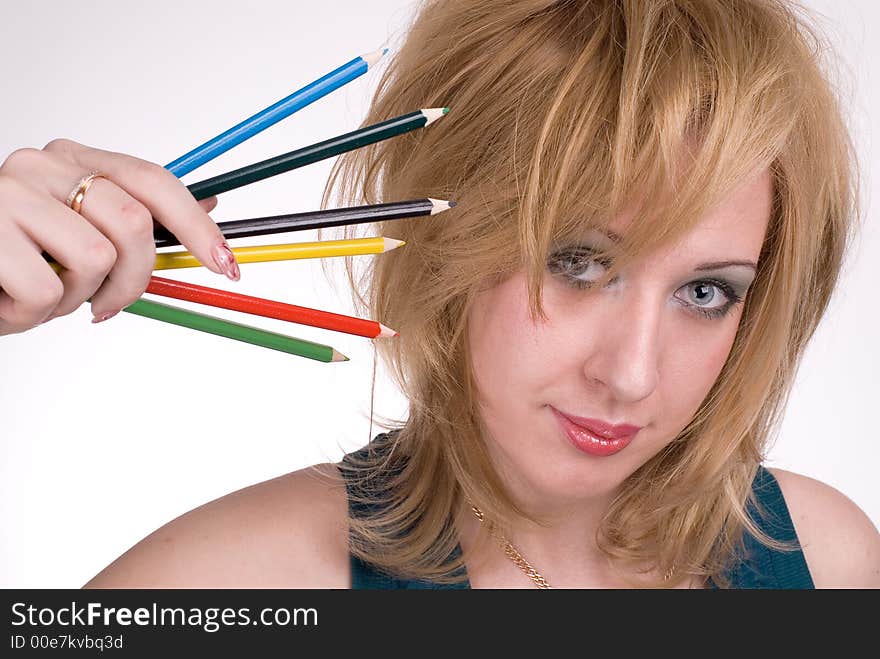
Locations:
(129, 226)
(113, 213)
(167, 199)
(208, 204)
(29, 289)
(85, 255)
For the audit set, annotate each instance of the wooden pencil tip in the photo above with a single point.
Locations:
(393, 243)
(433, 114)
(339, 357)
(440, 205)
(387, 332)
(375, 56)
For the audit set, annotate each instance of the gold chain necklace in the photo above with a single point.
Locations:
(514, 555)
(521, 562)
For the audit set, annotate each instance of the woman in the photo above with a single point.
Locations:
(655, 200)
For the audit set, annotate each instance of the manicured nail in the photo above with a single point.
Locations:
(225, 260)
(105, 316)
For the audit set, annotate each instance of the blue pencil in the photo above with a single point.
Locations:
(274, 113)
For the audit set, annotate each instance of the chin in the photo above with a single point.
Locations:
(563, 474)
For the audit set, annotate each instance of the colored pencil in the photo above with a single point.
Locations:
(269, 308)
(236, 331)
(274, 113)
(322, 219)
(314, 153)
(287, 252)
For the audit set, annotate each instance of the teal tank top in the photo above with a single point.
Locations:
(761, 567)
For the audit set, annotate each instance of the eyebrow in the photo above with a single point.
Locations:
(714, 265)
(718, 265)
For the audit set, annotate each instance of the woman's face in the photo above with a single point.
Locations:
(644, 351)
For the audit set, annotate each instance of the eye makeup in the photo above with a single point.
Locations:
(716, 265)
(572, 263)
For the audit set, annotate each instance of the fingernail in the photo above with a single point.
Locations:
(104, 316)
(225, 260)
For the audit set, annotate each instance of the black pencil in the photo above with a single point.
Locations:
(322, 219)
(310, 154)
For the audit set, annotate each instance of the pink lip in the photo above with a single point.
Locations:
(591, 441)
(601, 428)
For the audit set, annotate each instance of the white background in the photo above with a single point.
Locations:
(111, 430)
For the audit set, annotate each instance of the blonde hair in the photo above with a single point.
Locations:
(562, 114)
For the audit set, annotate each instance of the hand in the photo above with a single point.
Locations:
(107, 250)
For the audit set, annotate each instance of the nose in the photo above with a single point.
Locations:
(623, 354)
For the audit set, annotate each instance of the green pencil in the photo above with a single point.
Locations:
(236, 331)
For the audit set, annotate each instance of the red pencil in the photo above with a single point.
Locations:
(268, 308)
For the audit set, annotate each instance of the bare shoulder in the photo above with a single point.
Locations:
(290, 532)
(840, 542)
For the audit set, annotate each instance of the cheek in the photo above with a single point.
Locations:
(508, 351)
(689, 377)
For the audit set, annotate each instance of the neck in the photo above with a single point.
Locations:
(563, 549)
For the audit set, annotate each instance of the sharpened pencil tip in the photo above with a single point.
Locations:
(392, 243)
(375, 56)
(339, 357)
(386, 332)
(433, 114)
(440, 205)
(452, 204)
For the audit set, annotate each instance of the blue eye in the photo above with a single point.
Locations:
(580, 270)
(715, 312)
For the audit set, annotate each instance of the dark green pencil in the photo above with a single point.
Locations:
(315, 152)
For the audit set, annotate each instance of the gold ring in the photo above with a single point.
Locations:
(75, 198)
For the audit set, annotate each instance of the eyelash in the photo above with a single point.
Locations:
(566, 268)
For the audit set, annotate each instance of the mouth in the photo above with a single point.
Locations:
(602, 442)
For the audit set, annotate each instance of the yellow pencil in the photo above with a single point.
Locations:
(286, 252)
